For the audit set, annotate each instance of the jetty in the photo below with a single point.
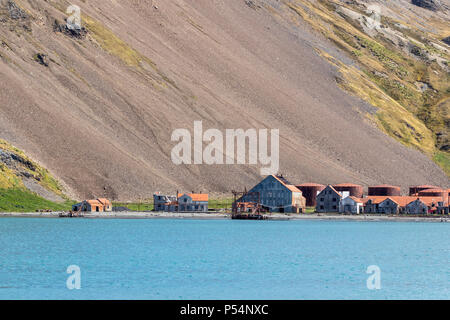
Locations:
(248, 216)
(71, 214)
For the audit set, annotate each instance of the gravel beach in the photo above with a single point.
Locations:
(221, 215)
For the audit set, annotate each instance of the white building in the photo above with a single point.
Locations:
(351, 205)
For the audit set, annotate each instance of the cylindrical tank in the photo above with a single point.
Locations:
(434, 193)
(413, 191)
(384, 190)
(355, 190)
(310, 191)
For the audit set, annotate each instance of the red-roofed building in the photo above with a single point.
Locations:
(182, 202)
(196, 202)
(98, 205)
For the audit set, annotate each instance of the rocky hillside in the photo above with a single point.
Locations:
(353, 102)
(26, 186)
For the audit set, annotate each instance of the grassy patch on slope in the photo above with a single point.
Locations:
(20, 200)
(388, 79)
(15, 197)
(443, 159)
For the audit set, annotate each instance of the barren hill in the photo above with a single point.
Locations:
(98, 107)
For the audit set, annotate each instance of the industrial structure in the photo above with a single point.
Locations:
(384, 190)
(310, 192)
(437, 192)
(326, 202)
(97, 205)
(354, 190)
(182, 202)
(276, 194)
(414, 191)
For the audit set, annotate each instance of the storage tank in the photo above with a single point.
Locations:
(310, 191)
(355, 190)
(384, 190)
(434, 193)
(413, 191)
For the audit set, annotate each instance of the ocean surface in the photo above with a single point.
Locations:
(222, 259)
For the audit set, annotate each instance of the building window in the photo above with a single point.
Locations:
(334, 199)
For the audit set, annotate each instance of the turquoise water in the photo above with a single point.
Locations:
(201, 259)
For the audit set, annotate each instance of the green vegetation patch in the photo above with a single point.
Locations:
(409, 92)
(443, 160)
(111, 43)
(8, 178)
(20, 200)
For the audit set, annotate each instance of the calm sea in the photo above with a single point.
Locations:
(224, 259)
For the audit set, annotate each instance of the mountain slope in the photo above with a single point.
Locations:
(98, 109)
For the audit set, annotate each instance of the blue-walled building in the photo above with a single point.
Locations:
(276, 194)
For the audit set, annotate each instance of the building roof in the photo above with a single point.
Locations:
(287, 184)
(424, 187)
(402, 201)
(430, 200)
(94, 202)
(195, 196)
(104, 201)
(347, 185)
(434, 190)
(310, 185)
(282, 179)
(385, 186)
(357, 200)
(331, 187)
(293, 188)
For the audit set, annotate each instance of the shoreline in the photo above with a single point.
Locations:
(227, 216)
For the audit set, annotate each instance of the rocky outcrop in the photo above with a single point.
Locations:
(433, 5)
(14, 17)
(15, 12)
(42, 58)
(71, 32)
(446, 40)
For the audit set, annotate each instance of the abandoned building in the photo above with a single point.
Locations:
(276, 194)
(98, 205)
(328, 200)
(182, 202)
(417, 206)
(165, 203)
(197, 202)
(389, 206)
(351, 205)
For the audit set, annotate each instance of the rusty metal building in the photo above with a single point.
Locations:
(354, 190)
(441, 193)
(384, 190)
(414, 191)
(310, 192)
